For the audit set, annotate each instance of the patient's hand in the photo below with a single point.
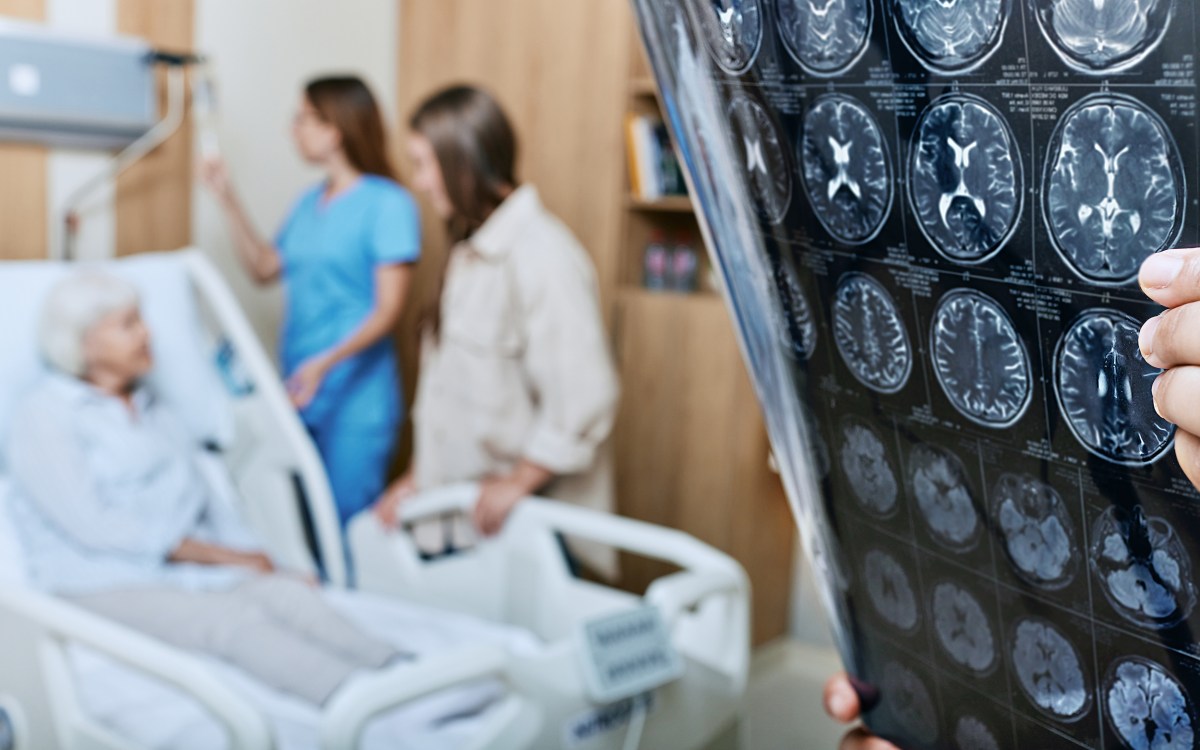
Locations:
(256, 561)
(203, 553)
(842, 703)
(387, 507)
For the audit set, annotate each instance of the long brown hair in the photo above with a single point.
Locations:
(476, 149)
(348, 104)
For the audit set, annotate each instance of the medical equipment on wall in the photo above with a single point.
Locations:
(67, 90)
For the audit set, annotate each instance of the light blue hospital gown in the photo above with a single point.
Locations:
(331, 250)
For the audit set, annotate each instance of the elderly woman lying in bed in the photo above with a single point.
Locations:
(115, 516)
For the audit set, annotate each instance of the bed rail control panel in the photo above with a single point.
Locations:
(62, 89)
(628, 654)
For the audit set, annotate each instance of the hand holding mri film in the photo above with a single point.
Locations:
(1171, 341)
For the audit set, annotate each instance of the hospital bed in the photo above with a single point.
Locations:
(497, 625)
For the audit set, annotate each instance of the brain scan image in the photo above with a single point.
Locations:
(826, 37)
(1048, 670)
(972, 734)
(1103, 36)
(1114, 192)
(980, 361)
(962, 628)
(1143, 568)
(1036, 529)
(846, 169)
(870, 334)
(1148, 707)
(865, 463)
(798, 329)
(951, 36)
(733, 30)
(890, 590)
(938, 482)
(909, 702)
(766, 164)
(965, 181)
(1103, 387)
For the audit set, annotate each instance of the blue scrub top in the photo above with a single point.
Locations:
(330, 250)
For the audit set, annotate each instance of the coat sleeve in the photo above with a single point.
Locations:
(566, 359)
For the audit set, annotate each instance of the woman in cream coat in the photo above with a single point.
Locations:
(517, 387)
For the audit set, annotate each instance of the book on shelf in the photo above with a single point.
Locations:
(654, 172)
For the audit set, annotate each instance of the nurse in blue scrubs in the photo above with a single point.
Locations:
(345, 255)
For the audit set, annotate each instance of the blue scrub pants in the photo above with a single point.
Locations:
(356, 459)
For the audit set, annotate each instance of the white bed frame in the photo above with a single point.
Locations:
(519, 577)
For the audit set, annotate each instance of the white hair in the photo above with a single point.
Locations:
(74, 305)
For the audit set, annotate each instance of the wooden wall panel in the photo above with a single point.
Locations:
(154, 198)
(23, 226)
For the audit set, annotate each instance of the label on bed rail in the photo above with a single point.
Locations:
(628, 654)
(581, 729)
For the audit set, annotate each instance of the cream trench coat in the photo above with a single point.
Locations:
(522, 367)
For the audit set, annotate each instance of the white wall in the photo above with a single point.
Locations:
(68, 169)
(263, 52)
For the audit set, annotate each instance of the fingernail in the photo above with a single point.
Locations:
(1154, 394)
(1160, 270)
(1146, 337)
(839, 705)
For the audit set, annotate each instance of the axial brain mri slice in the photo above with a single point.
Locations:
(951, 36)
(1114, 192)
(798, 329)
(1103, 36)
(846, 169)
(826, 37)
(733, 31)
(910, 702)
(938, 483)
(1142, 567)
(767, 168)
(865, 463)
(1036, 530)
(890, 591)
(870, 334)
(1048, 669)
(972, 734)
(1104, 389)
(966, 183)
(979, 359)
(1148, 707)
(962, 628)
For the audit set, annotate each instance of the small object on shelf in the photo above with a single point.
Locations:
(684, 267)
(656, 264)
(654, 172)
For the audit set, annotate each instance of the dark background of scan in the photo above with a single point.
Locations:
(1042, 296)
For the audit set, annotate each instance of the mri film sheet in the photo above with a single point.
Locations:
(928, 217)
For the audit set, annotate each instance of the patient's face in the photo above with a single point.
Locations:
(119, 346)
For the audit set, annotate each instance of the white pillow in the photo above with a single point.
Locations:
(184, 374)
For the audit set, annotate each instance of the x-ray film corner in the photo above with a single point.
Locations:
(928, 217)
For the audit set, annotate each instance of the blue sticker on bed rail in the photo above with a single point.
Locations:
(628, 654)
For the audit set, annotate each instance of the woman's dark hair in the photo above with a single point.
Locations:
(346, 103)
(476, 149)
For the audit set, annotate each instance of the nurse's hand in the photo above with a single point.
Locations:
(842, 704)
(497, 498)
(387, 508)
(1172, 341)
(304, 383)
(214, 175)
